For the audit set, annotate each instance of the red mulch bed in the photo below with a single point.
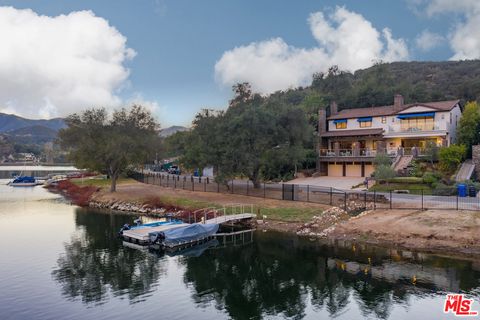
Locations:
(78, 195)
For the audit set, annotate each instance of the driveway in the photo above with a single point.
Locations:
(344, 183)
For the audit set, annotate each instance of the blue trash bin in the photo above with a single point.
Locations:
(462, 190)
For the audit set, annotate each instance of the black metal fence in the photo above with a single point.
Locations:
(351, 201)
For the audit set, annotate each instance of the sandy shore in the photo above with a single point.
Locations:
(436, 231)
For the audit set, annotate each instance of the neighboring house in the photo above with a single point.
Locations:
(349, 139)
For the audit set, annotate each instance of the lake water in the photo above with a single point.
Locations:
(62, 262)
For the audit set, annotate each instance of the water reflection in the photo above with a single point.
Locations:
(94, 264)
(274, 275)
(277, 275)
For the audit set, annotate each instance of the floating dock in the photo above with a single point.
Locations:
(142, 235)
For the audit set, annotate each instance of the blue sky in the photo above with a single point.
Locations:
(178, 43)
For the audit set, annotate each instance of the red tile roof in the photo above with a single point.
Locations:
(389, 110)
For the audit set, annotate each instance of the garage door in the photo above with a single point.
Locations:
(369, 170)
(335, 170)
(354, 170)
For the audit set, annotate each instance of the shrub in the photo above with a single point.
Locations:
(384, 172)
(430, 178)
(406, 180)
(381, 159)
(451, 157)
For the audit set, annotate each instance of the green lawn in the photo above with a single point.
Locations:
(414, 188)
(290, 214)
(98, 182)
(283, 214)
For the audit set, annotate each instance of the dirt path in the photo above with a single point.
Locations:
(437, 231)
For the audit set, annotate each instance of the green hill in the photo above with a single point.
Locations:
(376, 86)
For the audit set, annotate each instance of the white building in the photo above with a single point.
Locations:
(350, 139)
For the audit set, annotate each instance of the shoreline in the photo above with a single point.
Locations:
(439, 232)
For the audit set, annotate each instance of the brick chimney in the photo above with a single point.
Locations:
(322, 120)
(333, 108)
(397, 102)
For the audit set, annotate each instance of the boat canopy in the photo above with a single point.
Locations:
(24, 179)
(176, 236)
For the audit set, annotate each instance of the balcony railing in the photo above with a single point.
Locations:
(393, 152)
(348, 153)
(413, 128)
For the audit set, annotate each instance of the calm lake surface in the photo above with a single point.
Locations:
(62, 262)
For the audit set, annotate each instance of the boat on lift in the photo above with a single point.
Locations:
(23, 181)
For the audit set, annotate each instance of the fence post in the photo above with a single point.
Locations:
(308, 193)
(457, 201)
(232, 185)
(183, 183)
(247, 187)
(345, 201)
(331, 196)
(374, 200)
(390, 199)
(193, 184)
(175, 183)
(168, 178)
(264, 194)
(422, 199)
(218, 187)
(204, 186)
(365, 196)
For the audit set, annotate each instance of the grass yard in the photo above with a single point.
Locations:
(413, 188)
(100, 182)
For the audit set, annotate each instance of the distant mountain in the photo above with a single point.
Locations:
(171, 130)
(9, 122)
(35, 134)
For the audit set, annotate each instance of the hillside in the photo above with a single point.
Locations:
(9, 122)
(376, 86)
(36, 134)
(171, 130)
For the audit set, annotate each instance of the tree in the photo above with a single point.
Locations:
(382, 159)
(99, 143)
(384, 173)
(451, 157)
(431, 151)
(468, 131)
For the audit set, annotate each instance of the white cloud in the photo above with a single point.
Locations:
(53, 66)
(427, 40)
(344, 38)
(464, 39)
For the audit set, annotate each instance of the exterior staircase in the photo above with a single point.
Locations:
(465, 172)
(402, 163)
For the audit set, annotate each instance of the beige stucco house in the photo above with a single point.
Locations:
(349, 139)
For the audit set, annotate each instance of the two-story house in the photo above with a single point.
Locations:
(350, 139)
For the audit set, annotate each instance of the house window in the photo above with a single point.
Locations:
(384, 119)
(365, 124)
(341, 125)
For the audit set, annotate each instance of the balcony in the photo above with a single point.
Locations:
(417, 130)
(347, 154)
(343, 155)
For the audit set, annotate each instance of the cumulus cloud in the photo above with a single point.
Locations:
(344, 38)
(427, 40)
(53, 66)
(464, 39)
